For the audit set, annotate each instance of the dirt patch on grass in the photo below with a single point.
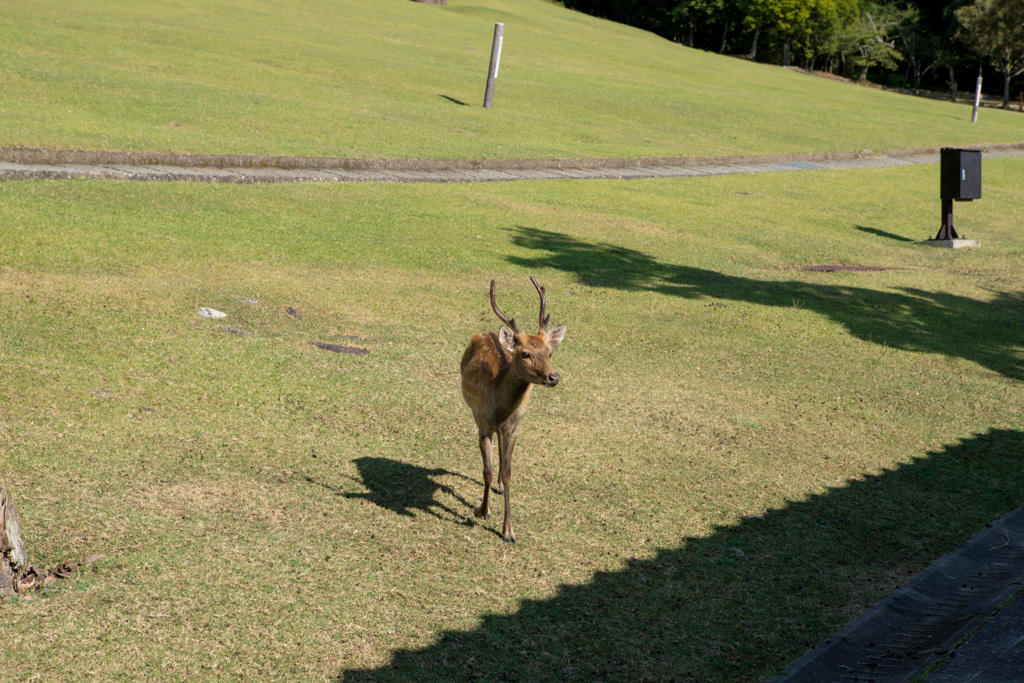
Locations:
(834, 268)
(339, 348)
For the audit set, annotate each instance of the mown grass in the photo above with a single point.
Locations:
(393, 78)
(742, 455)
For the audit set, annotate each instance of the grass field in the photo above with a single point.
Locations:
(742, 454)
(393, 78)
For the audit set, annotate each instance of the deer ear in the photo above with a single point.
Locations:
(507, 339)
(556, 336)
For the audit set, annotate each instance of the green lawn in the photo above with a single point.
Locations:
(742, 454)
(394, 78)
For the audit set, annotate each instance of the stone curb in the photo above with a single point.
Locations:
(59, 157)
(922, 620)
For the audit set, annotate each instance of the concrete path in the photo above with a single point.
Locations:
(16, 163)
(943, 616)
(995, 654)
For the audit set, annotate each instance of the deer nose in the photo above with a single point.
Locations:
(552, 379)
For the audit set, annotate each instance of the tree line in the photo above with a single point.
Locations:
(915, 44)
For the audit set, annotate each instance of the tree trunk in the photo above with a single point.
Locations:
(15, 574)
(12, 548)
(753, 48)
(785, 53)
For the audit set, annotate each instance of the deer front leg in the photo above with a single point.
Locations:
(506, 443)
(484, 511)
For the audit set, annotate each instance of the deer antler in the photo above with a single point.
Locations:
(501, 316)
(543, 321)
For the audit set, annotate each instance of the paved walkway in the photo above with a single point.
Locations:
(29, 163)
(964, 613)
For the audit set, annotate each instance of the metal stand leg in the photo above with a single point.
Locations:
(947, 232)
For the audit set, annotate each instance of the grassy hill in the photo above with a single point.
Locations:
(394, 78)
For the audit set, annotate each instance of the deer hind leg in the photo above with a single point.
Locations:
(484, 511)
(506, 443)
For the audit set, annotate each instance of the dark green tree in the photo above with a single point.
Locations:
(875, 37)
(994, 30)
(651, 15)
(697, 15)
(799, 26)
(918, 45)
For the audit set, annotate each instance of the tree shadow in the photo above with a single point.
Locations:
(403, 488)
(883, 233)
(986, 332)
(742, 603)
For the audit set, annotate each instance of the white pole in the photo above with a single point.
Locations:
(492, 72)
(977, 99)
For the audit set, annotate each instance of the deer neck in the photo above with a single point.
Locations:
(514, 393)
(515, 389)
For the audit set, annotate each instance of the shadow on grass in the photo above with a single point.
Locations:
(740, 604)
(883, 233)
(403, 488)
(454, 101)
(986, 332)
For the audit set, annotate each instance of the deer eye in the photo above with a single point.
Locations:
(525, 354)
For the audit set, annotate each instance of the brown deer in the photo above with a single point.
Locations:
(498, 372)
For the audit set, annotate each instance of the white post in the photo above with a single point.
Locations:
(492, 72)
(977, 99)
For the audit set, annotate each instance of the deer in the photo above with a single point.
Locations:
(498, 373)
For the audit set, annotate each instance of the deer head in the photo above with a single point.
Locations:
(530, 354)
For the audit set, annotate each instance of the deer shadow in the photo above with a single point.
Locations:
(986, 332)
(404, 489)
